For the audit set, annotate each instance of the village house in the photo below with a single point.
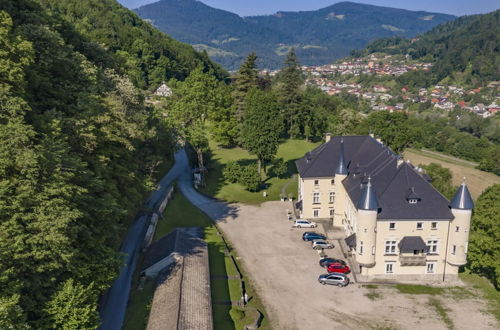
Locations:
(398, 226)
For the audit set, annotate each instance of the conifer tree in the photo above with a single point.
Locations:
(245, 79)
(262, 126)
(289, 81)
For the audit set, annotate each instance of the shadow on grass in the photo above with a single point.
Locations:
(219, 283)
(215, 183)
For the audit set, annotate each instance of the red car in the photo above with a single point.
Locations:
(338, 268)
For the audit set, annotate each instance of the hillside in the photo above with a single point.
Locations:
(79, 151)
(319, 36)
(147, 55)
(466, 49)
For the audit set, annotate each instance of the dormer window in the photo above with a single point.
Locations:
(412, 197)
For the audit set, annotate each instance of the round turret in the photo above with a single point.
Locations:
(366, 235)
(461, 207)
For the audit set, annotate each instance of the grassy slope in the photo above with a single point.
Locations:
(180, 213)
(477, 180)
(290, 150)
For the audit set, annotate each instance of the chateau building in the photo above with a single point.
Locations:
(397, 225)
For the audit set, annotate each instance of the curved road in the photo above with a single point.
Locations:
(114, 303)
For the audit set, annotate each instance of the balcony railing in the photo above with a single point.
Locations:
(412, 260)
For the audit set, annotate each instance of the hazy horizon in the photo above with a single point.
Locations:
(266, 7)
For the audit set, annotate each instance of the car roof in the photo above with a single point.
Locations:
(338, 274)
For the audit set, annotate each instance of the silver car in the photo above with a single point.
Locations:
(301, 223)
(337, 279)
(321, 244)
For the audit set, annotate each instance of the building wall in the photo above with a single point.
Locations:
(307, 189)
(409, 228)
(347, 215)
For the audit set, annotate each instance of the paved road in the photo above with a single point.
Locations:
(114, 303)
(215, 209)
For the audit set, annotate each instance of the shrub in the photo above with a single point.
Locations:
(250, 177)
(237, 314)
(279, 167)
(232, 172)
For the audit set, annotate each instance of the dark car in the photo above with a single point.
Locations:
(310, 236)
(325, 262)
(338, 268)
(338, 279)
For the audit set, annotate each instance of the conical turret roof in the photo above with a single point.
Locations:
(367, 199)
(341, 166)
(462, 199)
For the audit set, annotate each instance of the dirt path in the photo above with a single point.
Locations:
(284, 269)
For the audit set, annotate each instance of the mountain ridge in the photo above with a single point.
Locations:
(319, 36)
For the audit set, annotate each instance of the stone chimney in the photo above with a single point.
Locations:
(328, 137)
(400, 160)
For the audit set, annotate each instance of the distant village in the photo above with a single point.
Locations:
(337, 78)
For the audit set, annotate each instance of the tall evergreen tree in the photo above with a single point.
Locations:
(289, 81)
(245, 79)
(262, 126)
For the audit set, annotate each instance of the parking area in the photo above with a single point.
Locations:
(285, 270)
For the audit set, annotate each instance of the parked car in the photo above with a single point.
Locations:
(325, 262)
(301, 223)
(321, 244)
(310, 236)
(338, 268)
(338, 279)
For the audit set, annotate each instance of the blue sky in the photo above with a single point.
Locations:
(264, 7)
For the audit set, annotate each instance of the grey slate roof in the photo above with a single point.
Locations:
(365, 156)
(367, 199)
(351, 240)
(180, 240)
(411, 243)
(462, 199)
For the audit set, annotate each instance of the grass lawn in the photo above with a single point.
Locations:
(418, 289)
(477, 180)
(289, 150)
(180, 213)
(488, 291)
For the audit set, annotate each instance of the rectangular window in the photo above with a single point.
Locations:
(389, 267)
(434, 225)
(316, 198)
(316, 213)
(331, 212)
(361, 248)
(390, 247)
(316, 182)
(430, 267)
(432, 246)
(454, 249)
(457, 228)
(420, 225)
(331, 197)
(392, 225)
(332, 182)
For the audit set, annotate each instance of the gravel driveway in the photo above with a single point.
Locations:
(285, 269)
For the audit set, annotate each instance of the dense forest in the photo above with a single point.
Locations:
(145, 54)
(79, 150)
(466, 49)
